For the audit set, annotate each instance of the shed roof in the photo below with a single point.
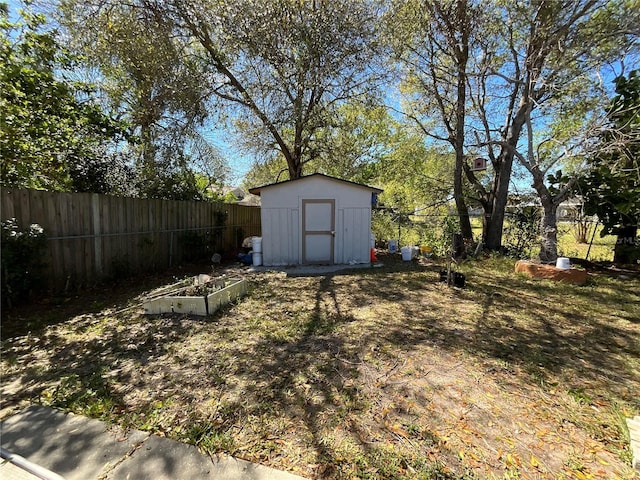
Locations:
(257, 190)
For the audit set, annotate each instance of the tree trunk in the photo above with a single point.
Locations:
(492, 230)
(549, 231)
(295, 169)
(627, 249)
(549, 221)
(461, 205)
(462, 57)
(494, 210)
(148, 149)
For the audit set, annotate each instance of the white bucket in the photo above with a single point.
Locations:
(563, 263)
(257, 244)
(393, 246)
(372, 243)
(257, 259)
(406, 253)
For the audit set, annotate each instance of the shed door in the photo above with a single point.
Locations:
(318, 231)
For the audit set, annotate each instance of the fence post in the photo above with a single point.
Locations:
(97, 234)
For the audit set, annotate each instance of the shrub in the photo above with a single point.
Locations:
(22, 261)
(439, 236)
(521, 232)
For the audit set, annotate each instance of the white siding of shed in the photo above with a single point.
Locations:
(280, 245)
(355, 225)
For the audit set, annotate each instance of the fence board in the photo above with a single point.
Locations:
(7, 205)
(92, 237)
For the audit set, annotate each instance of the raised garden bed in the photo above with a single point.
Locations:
(202, 295)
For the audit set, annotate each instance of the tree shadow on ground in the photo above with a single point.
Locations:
(304, 355)
(499, 317)
(314, 379)
(46, 309)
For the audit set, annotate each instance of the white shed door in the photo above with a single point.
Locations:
(318, 231)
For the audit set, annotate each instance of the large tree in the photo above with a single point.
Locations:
(547, 65)
(433, 40)
(523, 57)
(53, 135)
(158, 83)
(566, 105)
(612, 188)
(280, 67)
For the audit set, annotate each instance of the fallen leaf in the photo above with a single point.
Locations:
(534, 462)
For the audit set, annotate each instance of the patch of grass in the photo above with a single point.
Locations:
(601, 249)
(157, 417)
(90, 396)
(381, 373)
(209, 438)
(579, 395)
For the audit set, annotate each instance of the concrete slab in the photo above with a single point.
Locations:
(231, 468)
(79, 448)
(8, 471)
(164, 459)
(69, 445)
(160, 459)
(312, 270)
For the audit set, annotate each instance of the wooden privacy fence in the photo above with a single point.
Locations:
(91, 237)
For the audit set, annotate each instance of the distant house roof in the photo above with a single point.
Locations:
(257, 190)
(241, 197)
(238, 193)
(249, 200)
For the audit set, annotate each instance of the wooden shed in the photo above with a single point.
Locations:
(316, 219)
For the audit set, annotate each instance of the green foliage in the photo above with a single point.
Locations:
(88, 395)
(413, 176)
(521, 232)
(160, 86)
(361, 136)
(195, 245)
(209, 437)
(612, 187)
(22, 260)
(556, 181)
(52, 135)
(169, 184)
(264, 173)
(439, 235)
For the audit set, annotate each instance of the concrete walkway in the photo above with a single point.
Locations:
(80, 448)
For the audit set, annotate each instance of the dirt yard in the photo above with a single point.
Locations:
(375, 373)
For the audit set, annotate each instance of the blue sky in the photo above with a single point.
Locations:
(223, 140)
